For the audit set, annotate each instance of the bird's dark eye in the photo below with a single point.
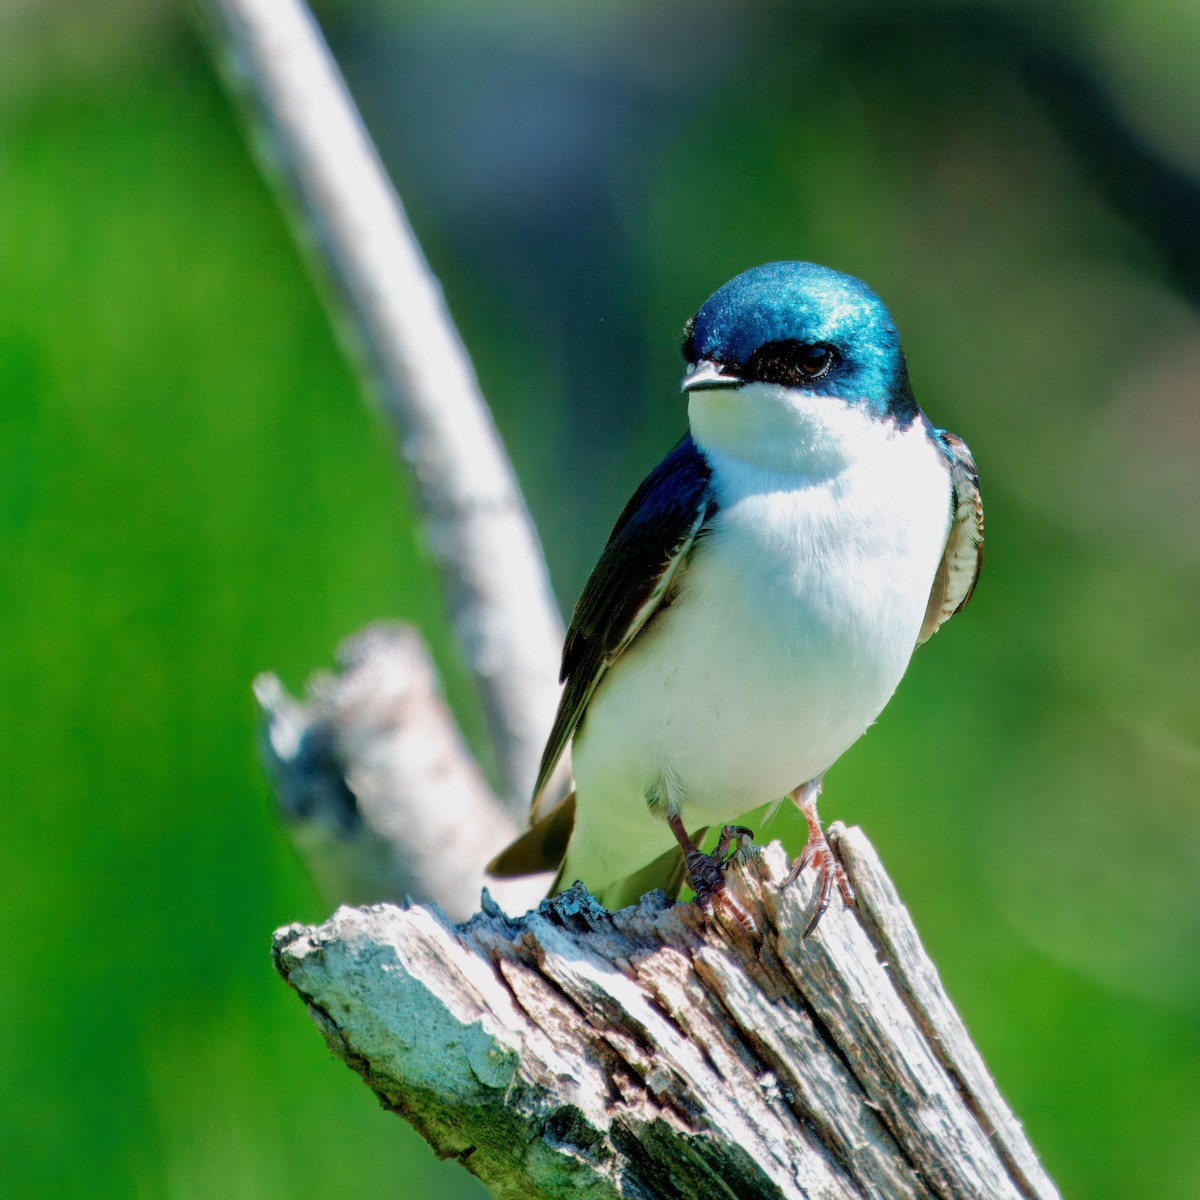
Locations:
(790, 363)
(814, 361)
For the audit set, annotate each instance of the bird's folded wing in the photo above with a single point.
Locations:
(635, 576)
(963, 556)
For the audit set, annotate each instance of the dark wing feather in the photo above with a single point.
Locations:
(959, 569)
(640, 565)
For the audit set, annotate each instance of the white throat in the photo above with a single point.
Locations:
(785, 429)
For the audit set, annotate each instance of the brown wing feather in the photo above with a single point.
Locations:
(958, 571)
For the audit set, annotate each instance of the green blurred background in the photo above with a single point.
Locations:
(191, 491)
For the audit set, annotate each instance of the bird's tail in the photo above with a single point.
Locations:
(666, 872)
(542, 847)
(547, 844)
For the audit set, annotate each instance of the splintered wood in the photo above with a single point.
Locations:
(573, 1052)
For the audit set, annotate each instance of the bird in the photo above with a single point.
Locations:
(759, 597)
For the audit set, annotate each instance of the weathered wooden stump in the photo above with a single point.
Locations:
(573, 1052)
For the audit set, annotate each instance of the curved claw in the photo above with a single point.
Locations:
(736, 845)
(818, 853)
(823, 898)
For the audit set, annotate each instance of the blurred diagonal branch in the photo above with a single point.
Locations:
(313, 145)
(647, 1053)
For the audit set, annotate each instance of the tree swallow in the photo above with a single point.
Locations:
(759, 598)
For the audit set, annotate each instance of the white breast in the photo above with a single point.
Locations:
(793, 623)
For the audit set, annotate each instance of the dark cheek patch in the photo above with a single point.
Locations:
(776, 362)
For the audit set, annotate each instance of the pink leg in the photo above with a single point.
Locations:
(818, 853)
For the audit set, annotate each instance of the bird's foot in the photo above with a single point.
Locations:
(707, 879)
(706, 872)
(819, 853)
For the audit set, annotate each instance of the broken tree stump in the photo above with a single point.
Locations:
(577, 1053)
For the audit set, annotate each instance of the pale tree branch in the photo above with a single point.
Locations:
(315, 148)
(649, 1054)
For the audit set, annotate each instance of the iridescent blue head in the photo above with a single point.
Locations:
(805, 326)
